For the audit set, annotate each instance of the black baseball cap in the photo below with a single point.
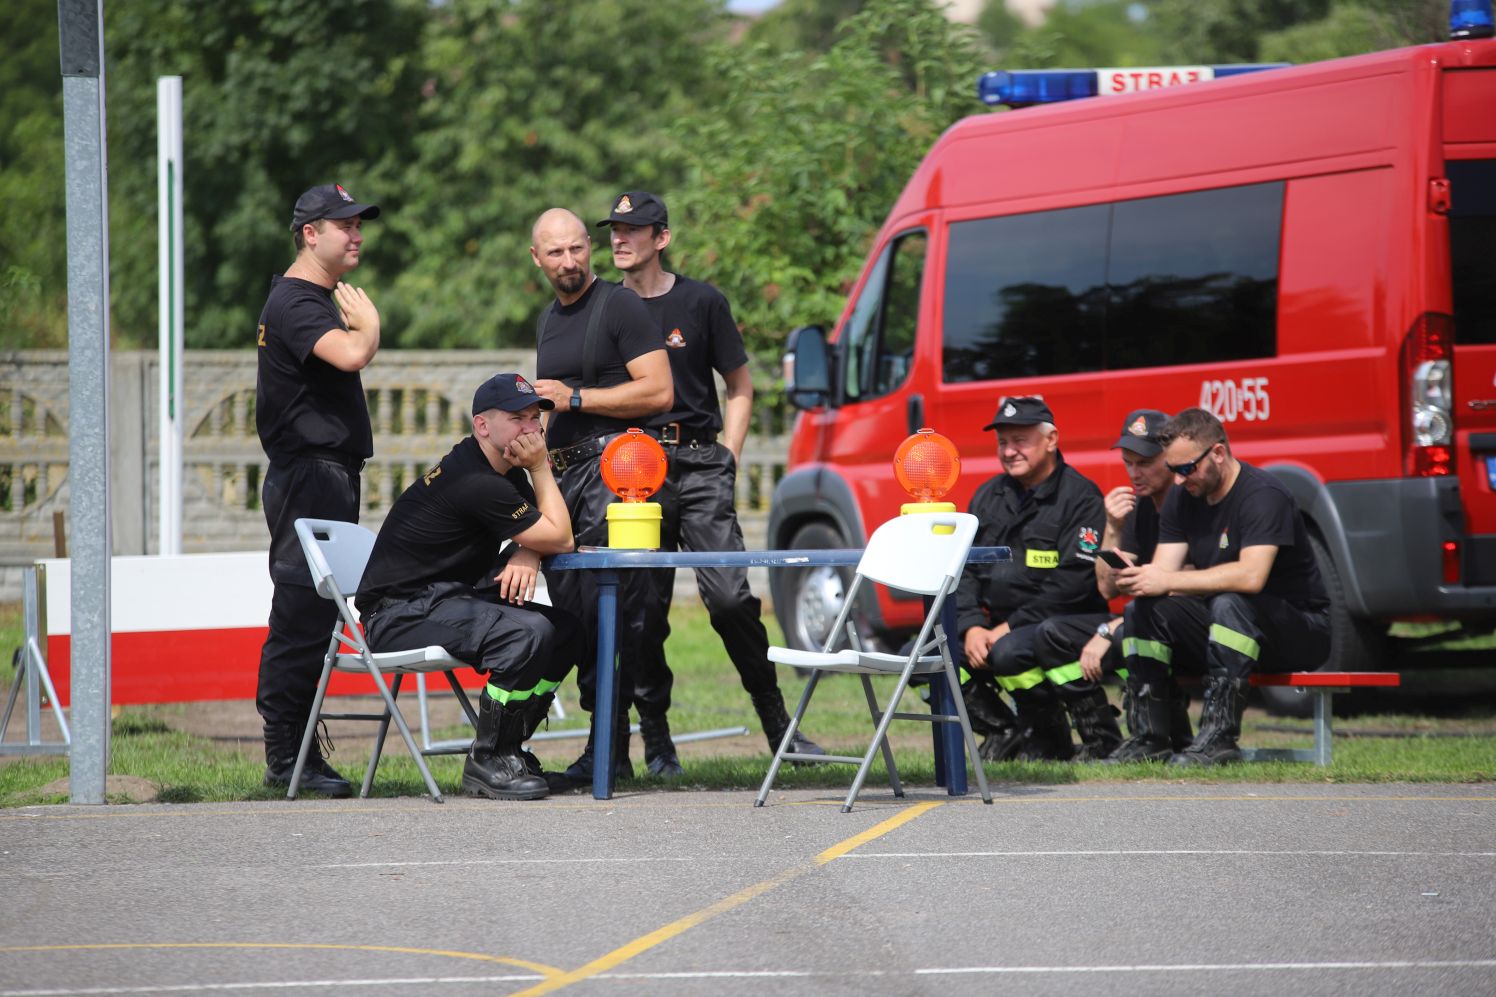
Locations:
(329, 200)
(1025, 411)
(638, 207)
(509, 393)
(1140, 432)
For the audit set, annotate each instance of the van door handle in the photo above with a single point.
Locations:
(916, 413)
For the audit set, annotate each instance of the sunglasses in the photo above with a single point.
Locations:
(1188, 467)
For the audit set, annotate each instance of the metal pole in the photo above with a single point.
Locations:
(170, 272)
(80, 25)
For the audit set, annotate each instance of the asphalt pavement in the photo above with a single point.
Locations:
(1153, 888)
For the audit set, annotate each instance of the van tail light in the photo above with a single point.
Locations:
(1428, 399)
(1451, 562)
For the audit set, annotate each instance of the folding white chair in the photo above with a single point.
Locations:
(921, 552)
(336, 554)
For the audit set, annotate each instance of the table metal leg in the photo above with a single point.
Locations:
(607, 685)
(949, 736)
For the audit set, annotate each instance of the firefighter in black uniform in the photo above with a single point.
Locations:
(1253, 600)
(315, 334)
(1051, 517)
(1077, 651)
(698, 500)
(437, 577)
(601, 360)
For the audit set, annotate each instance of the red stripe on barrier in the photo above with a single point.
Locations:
(1385, 679)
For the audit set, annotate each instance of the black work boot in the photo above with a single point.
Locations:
(1220, 724)
(1094, 718)
(775, 721)
(1181, 734)
(1149, 708)
(494, 767)
(579, 772)
(992, 720)
(282, 744)
(537, 711)
(1046, 732)
(659, 751)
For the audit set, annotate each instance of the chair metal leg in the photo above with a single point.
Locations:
(881, 734)
(953, 683)
(789, 735)
(872, 705)
(410, 741)
(379, 736)
(462, 698)
(312, 718)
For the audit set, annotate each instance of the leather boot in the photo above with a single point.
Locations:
(1181, 734)
(1220, 724)
(579, 772)
(537, 711)
(775, 721)
(992, 720)
(1046, 732)
(660, 758)
(494, 767)
(1094, 719)
(282, 744)
(1149, 709)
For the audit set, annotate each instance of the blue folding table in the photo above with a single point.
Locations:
(950, 756)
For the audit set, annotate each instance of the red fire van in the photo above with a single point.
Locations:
(1308, 252)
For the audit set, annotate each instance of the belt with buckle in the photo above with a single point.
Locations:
(579, 452)
(673, 434)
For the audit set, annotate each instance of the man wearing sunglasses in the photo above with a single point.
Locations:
(1050, 515)
(1255, 600)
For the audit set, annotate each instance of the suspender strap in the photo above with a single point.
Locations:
(592, 341)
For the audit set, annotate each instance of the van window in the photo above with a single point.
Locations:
(1472, 249)
(1188, 278)
(1025, 295)
(878, 344)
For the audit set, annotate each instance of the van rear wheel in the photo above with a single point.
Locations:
(1356, 645)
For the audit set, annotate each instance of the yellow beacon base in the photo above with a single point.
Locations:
(634, 525)
(909, 507)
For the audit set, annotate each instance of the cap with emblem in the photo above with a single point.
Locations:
(508, 392)
(637, 207)
(1025, 411)
(1140, 432)
(329, 200)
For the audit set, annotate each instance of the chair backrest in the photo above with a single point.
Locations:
(336, 554)
(917, 552)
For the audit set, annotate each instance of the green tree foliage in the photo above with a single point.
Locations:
(795, 168)
(1089, 33)
(526, 105)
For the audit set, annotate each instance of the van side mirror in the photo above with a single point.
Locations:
(807, 371)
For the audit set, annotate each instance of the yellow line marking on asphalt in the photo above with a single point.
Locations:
(680, 926)
(549, 972)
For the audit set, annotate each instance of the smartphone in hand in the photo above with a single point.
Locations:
(1114, 558)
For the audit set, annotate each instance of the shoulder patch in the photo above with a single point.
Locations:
(1088, 539)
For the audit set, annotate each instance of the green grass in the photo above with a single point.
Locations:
(708, 695)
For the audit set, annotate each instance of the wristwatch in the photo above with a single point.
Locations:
(1104, 629)
(576, 399)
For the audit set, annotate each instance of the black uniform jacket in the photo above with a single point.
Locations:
(1054, 531)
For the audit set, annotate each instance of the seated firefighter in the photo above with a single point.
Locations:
(1050, 516)
(1254, 601)
(437, 576)
(1086, 647)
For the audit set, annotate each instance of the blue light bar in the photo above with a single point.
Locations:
(1470, 19)
(1026, 87)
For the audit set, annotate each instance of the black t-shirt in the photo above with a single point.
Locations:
(448, 526)
(1140, 531)
(301, 401)
(627, 334)
(1258, 510)
(700, 336)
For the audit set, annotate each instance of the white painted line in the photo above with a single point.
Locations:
(1423, 964)
(549, 861)
(1164, 851)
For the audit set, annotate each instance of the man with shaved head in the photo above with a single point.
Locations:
(601, 359)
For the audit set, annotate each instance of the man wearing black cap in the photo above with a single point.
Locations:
(698, 500)
(316, 333)
(601, 359)
(1050, 516)
(437, 576)
(1077, 651)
